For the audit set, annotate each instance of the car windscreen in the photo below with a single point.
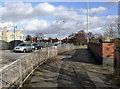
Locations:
(22, 44)
(35, 44)
(55, 44)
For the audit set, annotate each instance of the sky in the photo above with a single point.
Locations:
(56, 19)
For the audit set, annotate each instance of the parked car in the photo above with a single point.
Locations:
(23, 47)
(36, 46)
(56, 44)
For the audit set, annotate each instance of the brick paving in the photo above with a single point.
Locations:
(74, 69)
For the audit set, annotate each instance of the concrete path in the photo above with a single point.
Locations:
(75, 69)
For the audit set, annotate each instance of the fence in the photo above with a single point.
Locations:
(14, 74)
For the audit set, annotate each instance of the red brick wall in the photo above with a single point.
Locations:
(104, 50)
(107, 50)
(97, 48)
(118, 55)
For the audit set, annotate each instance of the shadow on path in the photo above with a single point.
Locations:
(81, 55)
(68, 70)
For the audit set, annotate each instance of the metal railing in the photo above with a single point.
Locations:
(14, 74)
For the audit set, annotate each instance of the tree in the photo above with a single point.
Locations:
(111, 30)
(81, 37)
(39, 36)
(97, 35)
(78, 38)
(28, 37)
(50, 39)
(91, 35)
(35, 39)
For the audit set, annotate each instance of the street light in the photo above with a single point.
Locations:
(87, 24)
(14, 34)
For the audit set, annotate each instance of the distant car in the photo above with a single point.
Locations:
(23, 47)
(56, 44)
(36, 46)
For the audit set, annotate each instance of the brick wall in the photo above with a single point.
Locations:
(104, 52)
(97, 48)
(107, 50)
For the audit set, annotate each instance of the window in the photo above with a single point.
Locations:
(23, 44)
(27, 44)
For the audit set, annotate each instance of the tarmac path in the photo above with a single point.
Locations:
(74, 69)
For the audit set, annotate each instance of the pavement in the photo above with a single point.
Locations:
(75, 69)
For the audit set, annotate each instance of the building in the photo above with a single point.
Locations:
(9, 36)
(52, 40)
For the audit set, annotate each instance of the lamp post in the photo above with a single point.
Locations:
(14, 34)
(87, 24)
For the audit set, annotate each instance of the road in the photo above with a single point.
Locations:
(8, 56)
(75, 69)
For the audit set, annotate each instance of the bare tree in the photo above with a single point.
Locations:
(78, 38)
(111, 30)
(81, 37)
(39, 36)
(97, 35)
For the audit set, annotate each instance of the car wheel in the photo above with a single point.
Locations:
(24, 51)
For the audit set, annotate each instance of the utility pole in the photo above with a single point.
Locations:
(14, 34)
(87, 24)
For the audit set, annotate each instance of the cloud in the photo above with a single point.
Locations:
(30, 19)
(21, 11)
(44, 9)
(94, 11)
(60, 29)
(36, 25)
(16, 11)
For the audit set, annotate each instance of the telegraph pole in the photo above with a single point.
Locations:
(87, 24)
(14, 34)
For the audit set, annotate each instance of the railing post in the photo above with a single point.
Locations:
(48, 52)
(20, 71)
(56, 50)
(53, 52)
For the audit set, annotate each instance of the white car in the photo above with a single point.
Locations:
(23, 47)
